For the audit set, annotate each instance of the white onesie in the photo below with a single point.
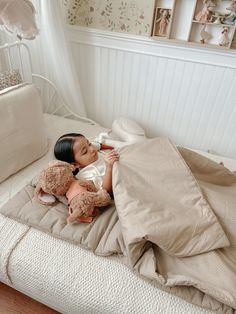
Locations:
(94, 171)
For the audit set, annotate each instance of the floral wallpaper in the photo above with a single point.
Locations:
(131, 16)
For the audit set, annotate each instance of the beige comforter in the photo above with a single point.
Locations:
(176, 222)
(177, 211)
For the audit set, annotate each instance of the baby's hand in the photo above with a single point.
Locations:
(111, 157)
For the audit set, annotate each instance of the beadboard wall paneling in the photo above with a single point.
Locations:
(185, 93)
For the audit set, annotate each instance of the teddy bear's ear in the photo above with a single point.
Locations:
(42, 197)
(59, 163)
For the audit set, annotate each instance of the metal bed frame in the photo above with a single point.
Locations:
(17, 56)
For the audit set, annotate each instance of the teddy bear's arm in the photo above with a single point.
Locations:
(88, 184)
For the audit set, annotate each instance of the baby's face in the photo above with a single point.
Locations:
(84, 152)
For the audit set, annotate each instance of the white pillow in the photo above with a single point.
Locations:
(128, 130)
(22, 135)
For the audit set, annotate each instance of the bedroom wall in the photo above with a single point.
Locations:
(186, 93)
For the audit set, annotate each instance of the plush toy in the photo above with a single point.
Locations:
(205, 14)
(230, 18)
(83, 197)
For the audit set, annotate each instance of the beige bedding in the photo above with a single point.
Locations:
(175, 226)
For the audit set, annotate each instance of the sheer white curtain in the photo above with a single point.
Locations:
(53, 56)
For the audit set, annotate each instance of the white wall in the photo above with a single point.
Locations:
(184, 92)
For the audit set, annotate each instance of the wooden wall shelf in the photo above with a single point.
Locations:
(209, 23)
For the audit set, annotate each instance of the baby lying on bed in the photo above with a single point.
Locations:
(58, 178)
(76, 149)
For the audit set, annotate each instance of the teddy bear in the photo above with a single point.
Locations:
(82, 196)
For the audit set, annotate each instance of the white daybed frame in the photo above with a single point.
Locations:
(20, 51)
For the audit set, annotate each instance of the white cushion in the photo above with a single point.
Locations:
(128, 130)
(22, 135)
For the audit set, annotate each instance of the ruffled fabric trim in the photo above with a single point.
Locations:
(18, 16)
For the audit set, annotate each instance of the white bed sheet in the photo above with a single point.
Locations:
(65, 276)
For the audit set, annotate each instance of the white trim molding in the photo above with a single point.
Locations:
(149, 46)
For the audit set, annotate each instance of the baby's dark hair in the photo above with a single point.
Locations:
(63, 149)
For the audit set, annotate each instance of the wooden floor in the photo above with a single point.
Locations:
(14, 302)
